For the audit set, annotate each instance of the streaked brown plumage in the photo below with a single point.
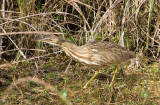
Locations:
(100, 53)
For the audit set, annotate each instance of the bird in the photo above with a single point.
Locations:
(96, 53)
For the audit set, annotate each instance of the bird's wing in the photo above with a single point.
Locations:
(110, 53)
(103, 46)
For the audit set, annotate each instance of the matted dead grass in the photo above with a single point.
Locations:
(129, 86)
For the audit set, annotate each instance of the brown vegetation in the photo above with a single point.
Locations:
(132, 24)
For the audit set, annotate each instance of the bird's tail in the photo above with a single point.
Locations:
(130, 55)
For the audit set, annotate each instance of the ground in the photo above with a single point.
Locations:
(132, 86)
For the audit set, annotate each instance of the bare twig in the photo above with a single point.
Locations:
(29, 59)
(30, 32)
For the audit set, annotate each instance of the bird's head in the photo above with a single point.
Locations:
(51, 40)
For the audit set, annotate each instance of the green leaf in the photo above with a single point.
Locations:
(64, 92)
(144, 94)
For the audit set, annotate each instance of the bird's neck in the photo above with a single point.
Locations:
(68, 45)
(61, 41)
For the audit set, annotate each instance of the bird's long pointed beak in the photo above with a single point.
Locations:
(49, 40)
(53, 40)
(41, 39)
(46, 40)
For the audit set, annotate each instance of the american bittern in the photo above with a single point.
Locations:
(97, 54)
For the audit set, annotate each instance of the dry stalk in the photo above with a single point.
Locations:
(29, 59)
(30, 32)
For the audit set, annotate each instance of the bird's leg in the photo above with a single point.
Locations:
(113, 78)
(111, 85)
(85, 86)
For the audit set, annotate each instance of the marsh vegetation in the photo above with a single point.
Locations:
(40, 67)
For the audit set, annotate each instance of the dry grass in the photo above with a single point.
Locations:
(132, 24)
